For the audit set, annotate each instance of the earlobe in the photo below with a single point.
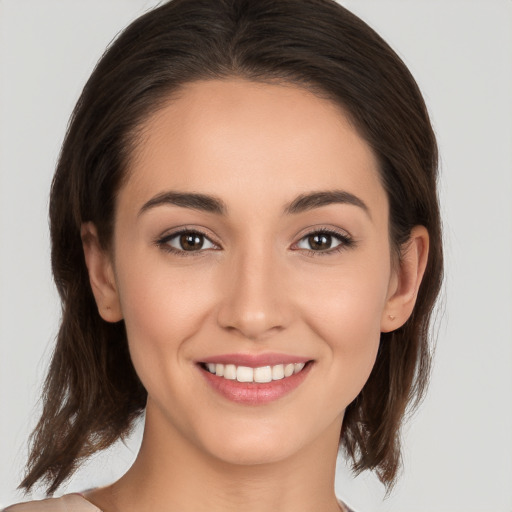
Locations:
(407, 280)
(101, 274)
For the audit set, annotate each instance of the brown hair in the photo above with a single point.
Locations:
(92, 394)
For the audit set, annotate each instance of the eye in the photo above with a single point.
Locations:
(186, 241)
(324, 242)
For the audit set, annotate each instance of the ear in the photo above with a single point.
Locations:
(101, 274)
(406, 280)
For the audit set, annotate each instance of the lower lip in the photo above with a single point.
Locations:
(252, 393)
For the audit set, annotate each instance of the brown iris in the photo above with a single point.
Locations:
(191, 241)
(320, 241)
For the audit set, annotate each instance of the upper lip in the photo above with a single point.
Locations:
(255, 360)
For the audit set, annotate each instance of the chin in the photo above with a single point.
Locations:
(253, 452)
(255, 444)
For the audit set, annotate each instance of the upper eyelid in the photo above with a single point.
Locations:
(185, 229)
(343, 233)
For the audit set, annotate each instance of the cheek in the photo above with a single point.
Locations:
(347, 317)
(348, 302)
(163, 308)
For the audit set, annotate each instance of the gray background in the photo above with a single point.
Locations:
(458, 448)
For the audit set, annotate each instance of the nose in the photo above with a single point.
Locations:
(254, 300)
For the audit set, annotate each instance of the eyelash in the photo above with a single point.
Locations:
(345, 240)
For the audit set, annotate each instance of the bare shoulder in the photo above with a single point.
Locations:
(67, 503)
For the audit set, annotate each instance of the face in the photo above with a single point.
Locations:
(251, 240)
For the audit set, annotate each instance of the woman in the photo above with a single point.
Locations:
(246, 240)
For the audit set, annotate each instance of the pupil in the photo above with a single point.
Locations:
(190, 242)
(320, 241)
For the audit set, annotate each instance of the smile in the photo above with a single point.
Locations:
(261, 374)
(254, 380)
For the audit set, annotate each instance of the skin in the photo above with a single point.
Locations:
(255, 286)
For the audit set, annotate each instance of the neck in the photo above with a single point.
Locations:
(171, 474)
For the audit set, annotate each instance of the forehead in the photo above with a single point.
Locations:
(251, 142)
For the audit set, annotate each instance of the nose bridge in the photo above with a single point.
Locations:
(253, 301)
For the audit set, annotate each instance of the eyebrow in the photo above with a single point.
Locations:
(312, 200)
(194, 201)
(212, 204)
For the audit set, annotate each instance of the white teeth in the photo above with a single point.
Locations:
(244, 374)
(230, 372)
(261, 374)
(289, 369)
(278, 372)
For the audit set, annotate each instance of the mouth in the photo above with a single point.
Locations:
(260, 374)
(255, 384)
